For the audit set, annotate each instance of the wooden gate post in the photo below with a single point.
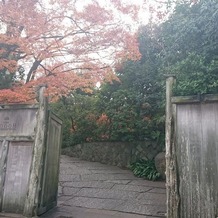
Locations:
(31, 203)
(171, 168)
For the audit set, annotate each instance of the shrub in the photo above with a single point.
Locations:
(145, 169)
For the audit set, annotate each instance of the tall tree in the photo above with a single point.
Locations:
(134, 106)
(64, 44)
(189, 41)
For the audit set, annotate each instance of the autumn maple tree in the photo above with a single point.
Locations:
(64, 44)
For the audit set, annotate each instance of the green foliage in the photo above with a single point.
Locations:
(133, 109)
(79, 117)
(135, 105)
(8, 78)
(133, 112)
(145, 169)
(5, 80)
(196, 76)
(190, 47)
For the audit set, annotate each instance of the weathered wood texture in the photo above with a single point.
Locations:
(51, 165)
(3, 158)
(171, 165)
(194, 99)
(31, 202)
(197, 156)
(17, 176)
(30, 141)
(17, 122)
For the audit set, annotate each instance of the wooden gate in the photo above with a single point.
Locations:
(192, 182)
(17, 125)
(49, 191)
(30, 141)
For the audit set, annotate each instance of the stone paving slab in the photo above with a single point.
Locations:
(107, 193)
(131, 188)
(110, 171)
(103, 177)
(69, 191)
(157, 198)
(75, 171)
(118, 181)
(98, 203)
(77, 212)
(94, 190)
(158, 190)
(69, 178)
(108, 188)
(89, 184)
(156, 184)
(146, 209)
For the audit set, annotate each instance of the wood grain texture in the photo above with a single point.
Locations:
(197, 156)
(194, 99)
(51, 165)
(171, 168)
(31, 202)
(17, 176)
(17, 138)
(30, 141)
(3, 159)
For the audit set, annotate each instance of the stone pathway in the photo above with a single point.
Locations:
(94, 190)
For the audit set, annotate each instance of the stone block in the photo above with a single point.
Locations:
(108, 204)
(114, 153)
(146, 209)
(160, 164)
(107, 193)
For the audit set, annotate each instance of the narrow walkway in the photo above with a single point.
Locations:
(94, 190)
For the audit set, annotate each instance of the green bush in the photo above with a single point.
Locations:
(145, 169)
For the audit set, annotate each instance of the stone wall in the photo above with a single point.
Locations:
(114, 153)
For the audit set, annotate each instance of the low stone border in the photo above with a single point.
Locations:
(114, 153)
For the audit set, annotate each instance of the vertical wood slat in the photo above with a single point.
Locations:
(51, 168)
(188, 157)
(17, 176)
(197, 156)
(171, 171)
(3, 159)
(31, 202)
(210, 159)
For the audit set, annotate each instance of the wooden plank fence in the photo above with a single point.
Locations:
(194, 174)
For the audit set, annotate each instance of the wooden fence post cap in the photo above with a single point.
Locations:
(170, 75)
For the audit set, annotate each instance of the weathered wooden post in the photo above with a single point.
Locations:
(31, 203)
(171, 168)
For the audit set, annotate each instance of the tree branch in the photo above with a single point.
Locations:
(33, 69)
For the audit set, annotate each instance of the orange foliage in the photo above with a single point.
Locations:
(64, 44)
(11, 65)
(7, 95)
(103, 119)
